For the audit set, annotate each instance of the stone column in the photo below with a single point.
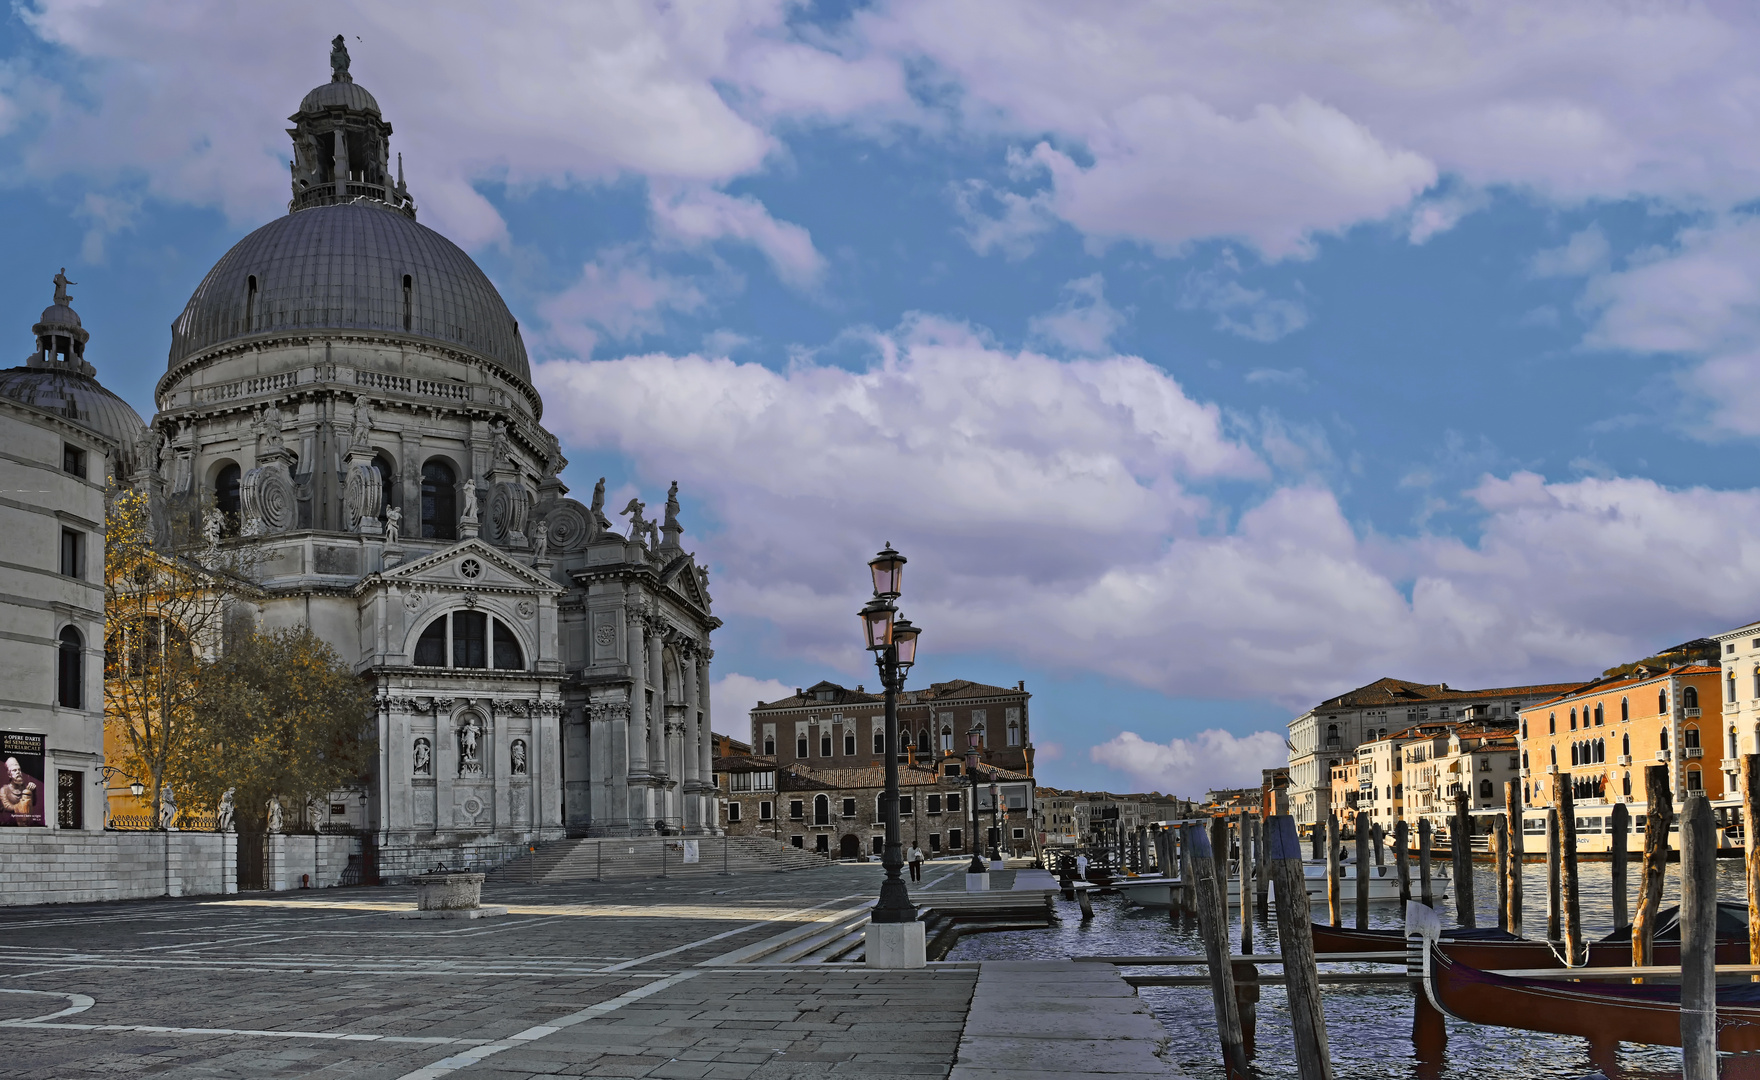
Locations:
(638, 684)
(693, 777)
(657, 756)
(706, 739)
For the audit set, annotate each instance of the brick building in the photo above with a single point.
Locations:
(830, 726)
(835, 810)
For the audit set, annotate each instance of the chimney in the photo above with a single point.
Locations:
(1022, 685)
(798, 692)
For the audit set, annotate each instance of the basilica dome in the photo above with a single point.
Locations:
(58, 379)
(360, 265)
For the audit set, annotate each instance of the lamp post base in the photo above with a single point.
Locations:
(977, 883)
(895, 945)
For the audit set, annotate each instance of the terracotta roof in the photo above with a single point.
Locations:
(1389, 691)
(950, 691)
(1593, 689)
(802, 777)
(744, 762)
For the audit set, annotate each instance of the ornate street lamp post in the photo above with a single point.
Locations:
(894, 938)
(977, 866)
(995, 820)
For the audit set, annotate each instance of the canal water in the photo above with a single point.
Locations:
(1369, 1028)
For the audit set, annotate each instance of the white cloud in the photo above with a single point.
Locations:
(694, 215)
(1585, 253)
(1293, 378)
(1434, 216)
(1083, 322)
(1189, 767)
(732, 698)
(105, 216)
(1249, 313)
(1000, 220)
(618, 295)
(1031, 493)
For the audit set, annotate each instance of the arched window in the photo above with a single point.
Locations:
(408, 296)
(1574, 760)
(770, 743)
(1599, 719)
(1664, 746)
(1730, 694)
(1732, 744)
(1600, 751)
(1524, 760)
(1662, 702)
(439, 501)
(880, 742)
(475, 640)
(821, 810)
(226, 498)
(1573, 718)
(1732, 685)
(1524, 727)
(1014, 733)
(70, 670)
(946, 739)
(1626, 785)
(1690, 697)
(1551, 723)
(1484, 789)
(1554, 756)
(1625, 709)
(1625, 744)
(1690, 737)
(1331, 733)
(1695, 779)
(923, 745)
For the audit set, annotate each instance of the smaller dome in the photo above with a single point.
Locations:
(76, 397)
(349, 95)
(59, 315)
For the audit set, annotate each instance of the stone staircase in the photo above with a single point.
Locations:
(625, 859)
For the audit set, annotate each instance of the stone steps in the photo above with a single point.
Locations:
(627, 858)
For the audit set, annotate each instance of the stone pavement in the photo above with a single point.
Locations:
(618, 979)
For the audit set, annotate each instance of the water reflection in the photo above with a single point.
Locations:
(1369, 1028)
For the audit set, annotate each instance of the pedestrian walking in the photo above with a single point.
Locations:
(915, 858)
(1081, 868)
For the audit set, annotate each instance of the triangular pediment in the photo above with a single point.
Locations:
(682, 577)
(468, 564)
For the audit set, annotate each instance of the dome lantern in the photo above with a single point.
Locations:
(342, 145)
(61, 340)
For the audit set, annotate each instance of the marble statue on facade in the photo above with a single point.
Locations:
(517, 757)
(223, 819)
(469, 516)
(598, 508)
(61, 284)
(640, 528)
(339, 60)
(213, 524)
(167, 808)
(470, 743)
(274, 816)
(424, 763)
(361, 428)
(393, 525)
(540, 541)
(671, 520)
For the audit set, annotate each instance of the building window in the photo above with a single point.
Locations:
(1552, 723)
(822, 843)
(226, 498)
(879, 742)
(732, 813)
(508, 656)
(849, 808)
(934, 843)
(1695, 779)
(769, 743)
(73, 553)
(825, 744)
(796, 809)
(1524, 727)
(70, 670)
(1690, 697)
(849, 742)
(906, 806)
(69, 799)
(431, 646)
(439, 501)
(946, 739)
(1573, 718)
(821, 810)
(953, 802)
(797, 841)
(73, 460)
(1598, 716)
(934, 804)
(1690, 737)
(800, 745)
(766, 810)
(1625, 709)
(1662, 702)
(955, 839)
(1664, 741)
(1625, 744)
(1554, 759)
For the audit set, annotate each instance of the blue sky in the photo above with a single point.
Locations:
(1204, 362)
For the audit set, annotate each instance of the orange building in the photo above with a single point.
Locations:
(1346, 791)
(1604, 734)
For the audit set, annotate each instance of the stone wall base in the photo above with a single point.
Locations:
(65, 867)
(404, 855)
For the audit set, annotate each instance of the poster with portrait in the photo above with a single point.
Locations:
(21, 788)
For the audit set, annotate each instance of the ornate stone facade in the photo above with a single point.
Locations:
(351, 395)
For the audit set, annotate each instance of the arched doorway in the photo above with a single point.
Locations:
(849, 847)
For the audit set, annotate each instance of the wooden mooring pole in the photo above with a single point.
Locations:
(1425, 896)
(1659, 817)
(1363, 874)
(1553, 851)
(1460, 846)
(1620, 821)
(1698, 940)
(1333, 914)
(1295, 938)
(1188, 890)
(1261, 866)
(1751, 841)
(1249, 855)
(1565, 800)
(1402, 862)
(1376, 835)
(1213, 927)
(1518, 847)
(1500, 859)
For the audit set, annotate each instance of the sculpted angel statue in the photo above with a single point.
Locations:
(639, 526)
(224, 818)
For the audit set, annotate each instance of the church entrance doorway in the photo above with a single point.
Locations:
(849, 847)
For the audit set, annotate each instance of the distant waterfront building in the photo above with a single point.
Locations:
(831, 726)
(1739, 726)
(63, 437)
(1324, 736)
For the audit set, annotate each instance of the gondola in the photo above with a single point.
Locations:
(1493, 949)
(1598, 1011)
